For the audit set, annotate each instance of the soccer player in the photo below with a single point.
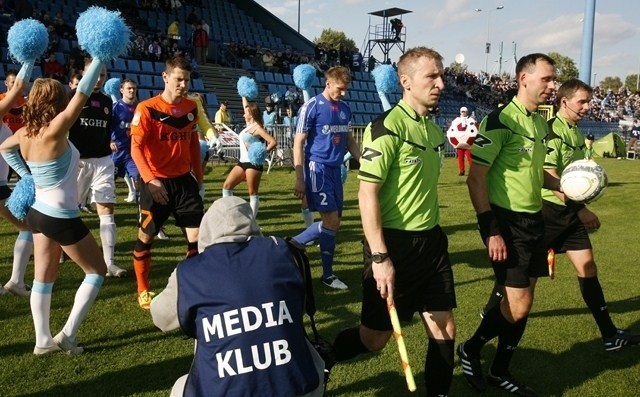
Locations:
(123, 110)
(406, 258)
(166, 150)
(91, 135)
(323, 136)
(567, 223)
(54, 217)
(505, 185)
(13, 117)
(205, 288)
(23, 246)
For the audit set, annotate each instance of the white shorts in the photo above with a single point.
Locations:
(97, 175)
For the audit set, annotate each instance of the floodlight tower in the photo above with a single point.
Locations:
(387, 35)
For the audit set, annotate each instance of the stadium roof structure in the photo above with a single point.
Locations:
(390, 12)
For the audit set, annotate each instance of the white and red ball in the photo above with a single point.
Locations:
(584, 181)
(462, 133)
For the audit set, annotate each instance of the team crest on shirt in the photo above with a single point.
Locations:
(190, 116)
(136, 119)
(326, 129)
(343, 116)
(106, 110)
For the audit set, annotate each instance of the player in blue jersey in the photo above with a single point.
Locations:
(323, 136)
(123, 110)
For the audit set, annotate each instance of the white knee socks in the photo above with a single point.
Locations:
(108, 237)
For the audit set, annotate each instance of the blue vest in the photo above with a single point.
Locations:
(244, 303)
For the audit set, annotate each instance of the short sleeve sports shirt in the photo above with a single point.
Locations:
(511, 141)
(402, 151)
(565, 145)
(167, 131)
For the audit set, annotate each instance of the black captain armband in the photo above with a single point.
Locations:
(574, 206)
(488, 224)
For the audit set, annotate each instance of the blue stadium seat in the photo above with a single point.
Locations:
(60, 58)
(65, 45)
(144, 94)
(146, 81)
(246, 64)
(260, 77)
(147, 67)
(197, 85)
(288, 79)
(5, 54)
(119, 65)
(37, 72)
(1, 71)
(158, 67)
(133, 65)
(158, 83)
(212, 99)
(269, 77)
(278, 78)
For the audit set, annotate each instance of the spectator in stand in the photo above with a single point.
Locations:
(222, 116)
(200, 44)
(269, 117)
(176, 51)
(173, 31)
(356, 61)
(53, 69)
(166, 49)
(74, 80)
(139, 47)
(155, 51)
(635, 135)
(268, 61)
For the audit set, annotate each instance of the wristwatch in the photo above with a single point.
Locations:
(378, 257)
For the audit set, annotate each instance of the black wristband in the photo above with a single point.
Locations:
(488, 224)
(574, 206)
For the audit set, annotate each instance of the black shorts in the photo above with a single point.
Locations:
(246, 166)
(5, 192)
(563, 230)
(185, 204)
(523, 233)
(64, 231)
(424, 279)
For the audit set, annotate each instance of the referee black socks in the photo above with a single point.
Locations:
(348, 344)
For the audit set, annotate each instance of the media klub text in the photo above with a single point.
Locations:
(249, 319)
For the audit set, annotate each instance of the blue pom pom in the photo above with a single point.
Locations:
(22, 197)
(303, 76)
(112, 87)
(257, 153)
(386, 78)
(28, 40)
(103, 33)
(344, 173)
(247, 87)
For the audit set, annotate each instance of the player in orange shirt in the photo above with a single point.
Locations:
(13, 118)
(166, 150)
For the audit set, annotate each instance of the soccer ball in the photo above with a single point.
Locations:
(462, 134)
(584, 181)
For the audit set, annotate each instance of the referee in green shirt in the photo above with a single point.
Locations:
(505, 186)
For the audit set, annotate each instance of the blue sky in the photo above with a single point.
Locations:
(454, 27)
